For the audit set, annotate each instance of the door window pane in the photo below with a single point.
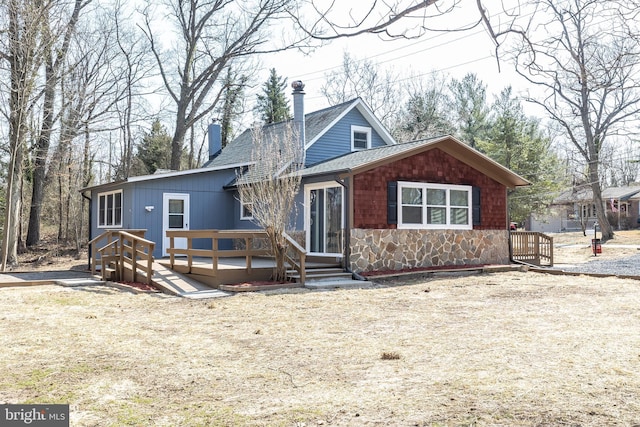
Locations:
(176, 221)
(176, 206)
(334, 220)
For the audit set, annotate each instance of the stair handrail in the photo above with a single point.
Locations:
(109, 236)
(531, 246)
(111, 249)
(139, 249)
(297, 258)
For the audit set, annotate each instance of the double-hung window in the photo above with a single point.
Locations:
(110, 209)
(435, 206)
(360, 138)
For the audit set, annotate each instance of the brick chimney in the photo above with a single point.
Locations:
(298, 115)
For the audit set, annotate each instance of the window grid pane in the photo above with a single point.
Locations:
(459, 198)
(110, 209)
(360, 140)
(412, 215)
(459, 216)
(436, 215)
(411, 196)
(435, 206)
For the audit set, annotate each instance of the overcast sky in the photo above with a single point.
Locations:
(453, 54)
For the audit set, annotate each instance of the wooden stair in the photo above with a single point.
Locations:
(110, 267)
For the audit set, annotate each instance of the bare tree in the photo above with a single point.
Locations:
(394, 19)
(426, 113)
(584, 56)
(362, 78)
(58, 27)
(21, 56)
(211, 35)
(270, 185)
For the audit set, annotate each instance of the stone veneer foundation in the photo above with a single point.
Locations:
(393, 249)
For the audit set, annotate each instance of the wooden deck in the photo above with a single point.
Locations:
(229, 270)
(191, 267)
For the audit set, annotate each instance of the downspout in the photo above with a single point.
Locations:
(89, 227)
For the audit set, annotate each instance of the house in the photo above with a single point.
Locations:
(573, 209)
(364, 199)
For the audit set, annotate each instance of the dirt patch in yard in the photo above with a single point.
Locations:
(483, 349)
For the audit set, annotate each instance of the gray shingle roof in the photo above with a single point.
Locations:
(240, 149)
(584, 193)
(362, 158)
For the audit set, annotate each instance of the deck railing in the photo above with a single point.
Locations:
(123, 252)
(296, 256)
(213, 238)
(215, 253)
(532, 247)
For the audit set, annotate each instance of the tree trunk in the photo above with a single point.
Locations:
(603, 221)
(178, 141)
(40, 154)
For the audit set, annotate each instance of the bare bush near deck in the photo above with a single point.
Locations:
(270, 186)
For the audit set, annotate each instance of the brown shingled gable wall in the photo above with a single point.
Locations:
(434, 166)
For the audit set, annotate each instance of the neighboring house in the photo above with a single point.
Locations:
(574, 210)
(364, 199)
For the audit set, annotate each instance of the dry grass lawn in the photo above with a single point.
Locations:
(501, 349)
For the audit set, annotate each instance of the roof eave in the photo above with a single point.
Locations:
(462, 152)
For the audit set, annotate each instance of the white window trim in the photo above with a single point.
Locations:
(105, 194)
(242, 216)
(307, 214)
(362, 129)
(424, 186)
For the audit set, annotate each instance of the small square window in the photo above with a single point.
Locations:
(360, 138)
(246, 210)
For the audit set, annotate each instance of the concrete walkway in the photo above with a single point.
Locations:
(167, 280)
(34, 278)
(179, 284)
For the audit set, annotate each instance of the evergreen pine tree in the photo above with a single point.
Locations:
(273, 105)
(155, 149)
(232, 103)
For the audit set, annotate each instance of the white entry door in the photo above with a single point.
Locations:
(175, 216)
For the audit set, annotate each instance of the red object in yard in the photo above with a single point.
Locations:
(596, 247)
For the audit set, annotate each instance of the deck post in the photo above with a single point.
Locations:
(172, 258)
(134, 258)
(150, 263)
(189, 255)
(248, 245)
(214, 255)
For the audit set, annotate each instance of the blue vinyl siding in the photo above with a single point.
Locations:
(337, 140)
(210, 207)
(297, 217)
